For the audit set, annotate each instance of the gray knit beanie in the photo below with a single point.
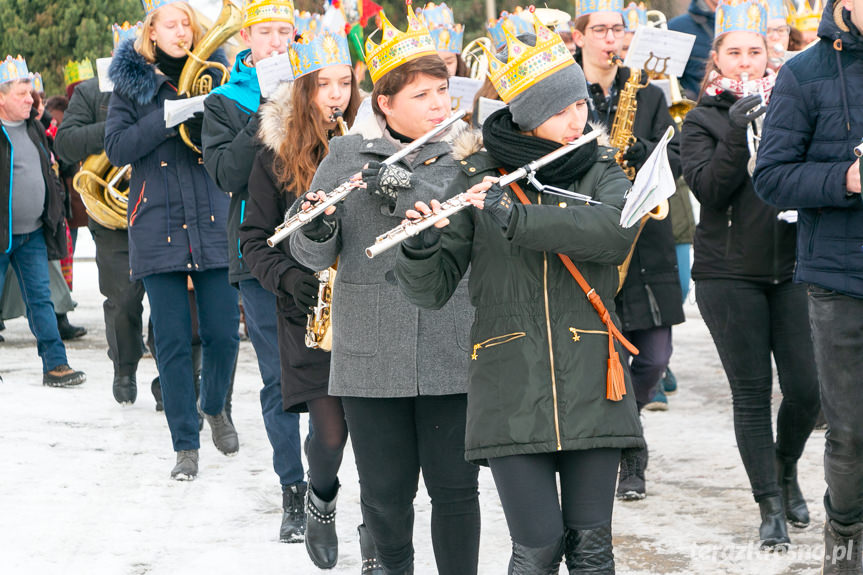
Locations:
(548, 96)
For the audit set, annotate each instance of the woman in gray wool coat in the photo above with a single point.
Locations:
(401, 372)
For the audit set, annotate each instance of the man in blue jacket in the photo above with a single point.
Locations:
(805, 162)
(699, 21)
(32, 217)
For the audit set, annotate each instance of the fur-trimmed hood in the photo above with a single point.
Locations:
(136, 78)
(469, 142)
(271, 117)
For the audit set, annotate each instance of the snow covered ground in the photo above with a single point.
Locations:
(85, 487)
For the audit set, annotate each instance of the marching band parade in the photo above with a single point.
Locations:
(460, 258)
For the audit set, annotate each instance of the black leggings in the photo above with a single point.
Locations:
(393, 439)
(527, 486)
(326, 444)
(750, 322)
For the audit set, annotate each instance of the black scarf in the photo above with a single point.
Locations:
(513, 149)
(169, 65)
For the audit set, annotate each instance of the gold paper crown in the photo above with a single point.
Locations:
(527, 65)
(78, 71)
(806, 19)
(257, 11)
(396, 47)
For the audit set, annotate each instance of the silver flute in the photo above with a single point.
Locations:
(302, 217)
(457, 203)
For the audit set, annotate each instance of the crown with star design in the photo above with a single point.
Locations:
(124, 32)
(634, 15)
(397, 47)
(807, 18)
(151, 6)
(447, 35)
(527, 65)
(257, 11)
(78, 71)
(315, 51)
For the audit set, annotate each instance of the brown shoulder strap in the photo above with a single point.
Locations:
(615, 383)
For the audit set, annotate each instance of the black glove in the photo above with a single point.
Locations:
(498, 204)
(423, 240)
(636, 154)
(303, 287)
(386, 181)
(746, 110)
(323, 227)
(193, 127)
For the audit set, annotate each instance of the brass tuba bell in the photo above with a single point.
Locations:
(104, 189)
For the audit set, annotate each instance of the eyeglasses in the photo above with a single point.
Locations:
(779, 31)
(601, 31)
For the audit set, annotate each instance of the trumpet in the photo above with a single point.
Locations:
(302, 217)
(457, 203)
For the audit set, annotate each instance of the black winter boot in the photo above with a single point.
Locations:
(631, 485)
(589, 551)
(842, 544)
(293, 527)
(67, 330)
(371, 565)
(322, 543)
(773, 532)
(125, 389)
(156, 390)
(796, 510)
(536, 560)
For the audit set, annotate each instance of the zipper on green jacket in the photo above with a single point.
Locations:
(576, 331)
(550, 341)
(497, 340)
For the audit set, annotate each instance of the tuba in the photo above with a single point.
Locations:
(319, 333)
(475, 58)
(193, 81)
(104, 189)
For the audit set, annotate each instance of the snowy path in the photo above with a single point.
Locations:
(84, 485)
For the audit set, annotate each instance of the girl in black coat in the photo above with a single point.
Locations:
(294, 129)
(744, 260)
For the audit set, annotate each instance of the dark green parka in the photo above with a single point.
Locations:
(524, 395)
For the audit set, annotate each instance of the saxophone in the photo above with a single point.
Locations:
(319, 333)
(621, 130)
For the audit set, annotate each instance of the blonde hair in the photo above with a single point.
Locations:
(147, 47)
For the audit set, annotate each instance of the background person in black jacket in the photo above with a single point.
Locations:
(744, 260)
(32, 225)
(295, 127)
(82, 134)
(228, 138)
(650, 301)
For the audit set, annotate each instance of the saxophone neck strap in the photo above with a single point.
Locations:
(615, 383)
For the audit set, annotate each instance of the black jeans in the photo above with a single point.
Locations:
(393, 439)
(654, 353)
(123, 299)
(527, 486)
(837, 329)
(749, 322)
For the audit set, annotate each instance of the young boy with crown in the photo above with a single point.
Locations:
(400, 371)
(650, 299)
(541, 404)
(228, 145)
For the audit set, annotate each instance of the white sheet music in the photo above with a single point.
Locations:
(665, 49)
(178, 111)
(273, 71)
(102, 66)
(486, 107)
(462, 91)
(654, 182)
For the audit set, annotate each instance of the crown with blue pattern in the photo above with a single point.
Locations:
(151, 6)
(447, 35)
(583, 7)
(397, 47)
(124, 32)
(13, 69)
(38, 84)
(513, 22)
(315, 51)
(527, 65)
(741, 16)
(307, 22)
(634, 16)
(776, 9)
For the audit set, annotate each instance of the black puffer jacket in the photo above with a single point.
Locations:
(738, 235)
(82, 132)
